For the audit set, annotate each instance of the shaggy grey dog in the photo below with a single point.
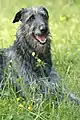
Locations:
(28, 60)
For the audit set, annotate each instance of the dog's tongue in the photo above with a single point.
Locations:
(42, 38)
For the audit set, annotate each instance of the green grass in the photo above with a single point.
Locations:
(65, 28)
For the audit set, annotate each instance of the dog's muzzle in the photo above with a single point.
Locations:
(40, 34)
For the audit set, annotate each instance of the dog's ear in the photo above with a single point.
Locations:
(18, 16)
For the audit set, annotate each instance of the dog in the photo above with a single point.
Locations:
(29, 58)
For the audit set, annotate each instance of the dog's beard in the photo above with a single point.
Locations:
(36, 45)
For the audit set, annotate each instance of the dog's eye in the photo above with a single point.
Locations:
(32, 17)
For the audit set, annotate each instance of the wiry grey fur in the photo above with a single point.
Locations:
(21, 60)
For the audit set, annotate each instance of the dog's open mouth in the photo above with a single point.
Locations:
(40, 38)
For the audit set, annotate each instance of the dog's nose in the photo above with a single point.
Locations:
(43, 29)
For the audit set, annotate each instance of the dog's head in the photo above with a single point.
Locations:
(34, 23)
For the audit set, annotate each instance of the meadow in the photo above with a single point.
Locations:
(64, 22)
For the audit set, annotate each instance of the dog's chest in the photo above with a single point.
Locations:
(28, 69)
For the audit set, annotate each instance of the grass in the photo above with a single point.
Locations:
(65, 28)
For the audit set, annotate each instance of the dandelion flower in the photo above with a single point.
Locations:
(29, 107)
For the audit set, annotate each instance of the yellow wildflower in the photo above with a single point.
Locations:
(20, 107)
(29, 107)
(39, 60)
(33, 54)
(18, 99)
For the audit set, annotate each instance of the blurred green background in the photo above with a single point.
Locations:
(64, 22)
